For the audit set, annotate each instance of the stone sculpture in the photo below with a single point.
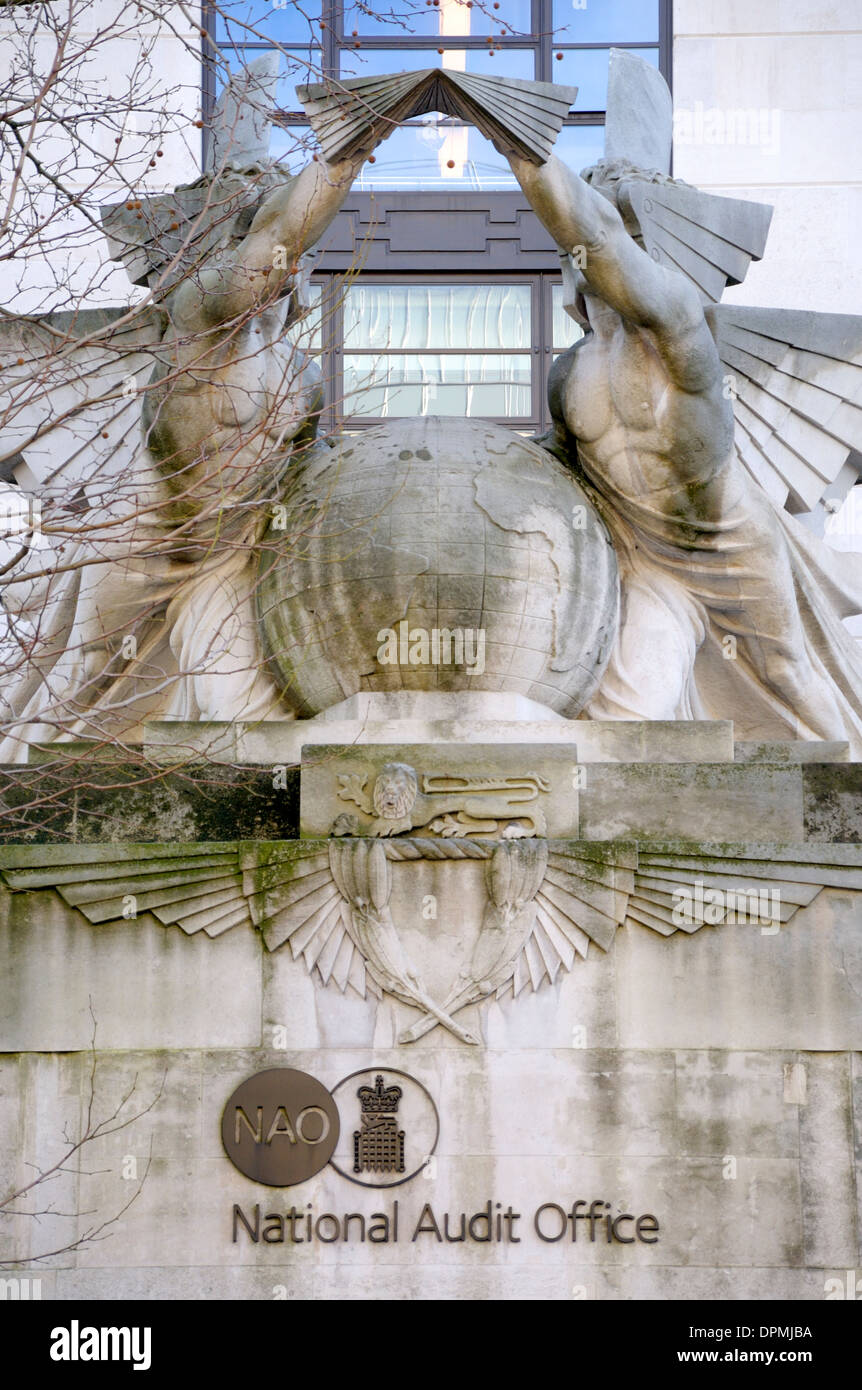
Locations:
(225, 407)
(446, 805)
(532, 914)
(444, 524)
(730, 609)
(711, 568)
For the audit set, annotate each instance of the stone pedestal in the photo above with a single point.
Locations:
(663, 1096)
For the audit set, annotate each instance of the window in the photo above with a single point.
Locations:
(452, 345)
(437, 349)
(564, 41)
(459, 308)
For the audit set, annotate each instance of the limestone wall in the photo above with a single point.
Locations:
(709, 1080)
(768, 95)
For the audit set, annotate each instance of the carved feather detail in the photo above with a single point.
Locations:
(797, 396)
(712, 240)
(328, 900)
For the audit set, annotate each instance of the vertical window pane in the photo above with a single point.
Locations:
(580, 146)
(395, 18)
(587, 69)
(425, 316)
(307, 332)
(244, 21)
(436, 153)
(605, 21)
(565, 331)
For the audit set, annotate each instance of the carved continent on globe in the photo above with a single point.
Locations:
(439, 526)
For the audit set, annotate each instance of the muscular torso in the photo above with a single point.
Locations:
(662, 455)
(221, 414)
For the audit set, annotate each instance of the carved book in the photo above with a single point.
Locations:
(519, 116)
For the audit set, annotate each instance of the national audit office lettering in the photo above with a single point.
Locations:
(282, 1126)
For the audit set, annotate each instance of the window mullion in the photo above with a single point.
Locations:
(332, 15)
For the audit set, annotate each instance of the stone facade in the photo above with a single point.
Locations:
(705, 1076)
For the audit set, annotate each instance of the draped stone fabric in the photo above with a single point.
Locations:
(700, 613)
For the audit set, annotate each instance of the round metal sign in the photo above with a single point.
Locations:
(280, 1127)
(391, 1127)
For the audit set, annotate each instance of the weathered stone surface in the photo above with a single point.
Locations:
(517, 1281)
(76, 801)
(732, 802)
(827, 1166)
(447, 717)
(109, 802)
(442, 925)
(428, 527)
(465, 706)
(654, 741)
(832, 803)
(500, 789)
(856, 1102)
(240, 122)
(640, 113)
(148, 986)
(732, 1102)
(725, 1285)
(522, 1128)
(40, 1104)
(791, 752)
(740, 987)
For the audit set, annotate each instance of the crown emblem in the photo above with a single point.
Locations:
(378, 1146)
(378, 1101)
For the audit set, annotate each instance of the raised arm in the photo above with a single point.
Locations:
(238, 279)
(583, 222)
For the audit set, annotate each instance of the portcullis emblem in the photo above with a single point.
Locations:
(378, 1146)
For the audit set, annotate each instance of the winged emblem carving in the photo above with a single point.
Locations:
(330, 901)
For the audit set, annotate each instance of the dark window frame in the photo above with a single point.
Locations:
(474, 270)
(541, 350)
(540, 40)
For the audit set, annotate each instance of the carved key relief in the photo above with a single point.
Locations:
(402, 801)
(441, 791)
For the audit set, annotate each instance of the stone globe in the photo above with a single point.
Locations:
(436, 554)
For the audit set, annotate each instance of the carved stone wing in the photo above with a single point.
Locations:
(591, 889)
(549, 910)
(295, 900)
(69, 407)
(583, 897)
(797, 379)
(783, 878)
(711, 240)
(287, 892)
(195, 887)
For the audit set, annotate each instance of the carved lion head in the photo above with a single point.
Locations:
(395, 791)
